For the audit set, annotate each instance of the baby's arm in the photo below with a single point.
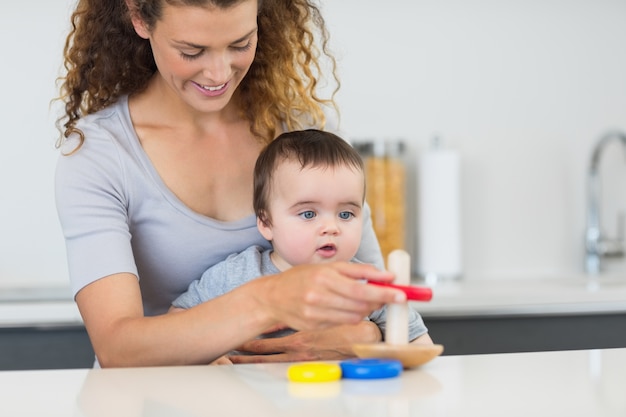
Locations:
(202, 289)
(222, 278)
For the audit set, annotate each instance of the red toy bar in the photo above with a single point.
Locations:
(412, 292)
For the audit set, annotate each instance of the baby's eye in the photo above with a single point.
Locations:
(309, 214)
(345, 215)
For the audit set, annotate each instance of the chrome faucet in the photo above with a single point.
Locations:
(597, 246)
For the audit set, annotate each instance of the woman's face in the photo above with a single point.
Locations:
(203, 53)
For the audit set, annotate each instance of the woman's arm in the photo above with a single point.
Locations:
(308, 297)
(122, 336)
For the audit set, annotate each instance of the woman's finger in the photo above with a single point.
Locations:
(318, 296)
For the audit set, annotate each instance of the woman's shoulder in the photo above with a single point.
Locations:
(114, 118)
(106, 155)
(106, 131)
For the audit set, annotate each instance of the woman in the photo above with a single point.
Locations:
(168, 104)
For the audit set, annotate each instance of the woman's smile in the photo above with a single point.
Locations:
(211, 91)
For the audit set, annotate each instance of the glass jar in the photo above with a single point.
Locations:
(385, 175)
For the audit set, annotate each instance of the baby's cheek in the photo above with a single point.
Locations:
(296, 248)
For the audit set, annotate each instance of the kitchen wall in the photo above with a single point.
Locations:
(32, 250)
(521, 89)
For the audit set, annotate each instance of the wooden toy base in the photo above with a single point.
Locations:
(410, 355)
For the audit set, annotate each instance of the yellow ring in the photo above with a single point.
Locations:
(314, 372)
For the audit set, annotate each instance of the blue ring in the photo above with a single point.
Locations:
(370, 368)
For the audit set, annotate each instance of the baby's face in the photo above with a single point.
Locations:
(315, 214)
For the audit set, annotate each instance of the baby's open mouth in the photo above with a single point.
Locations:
(327, 250)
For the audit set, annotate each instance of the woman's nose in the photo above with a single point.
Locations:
(217, 67)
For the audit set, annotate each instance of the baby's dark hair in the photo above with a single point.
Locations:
(311, 148)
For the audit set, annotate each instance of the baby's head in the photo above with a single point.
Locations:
(309, 190)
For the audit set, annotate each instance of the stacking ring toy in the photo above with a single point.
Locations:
(314, 372)
(371, 368)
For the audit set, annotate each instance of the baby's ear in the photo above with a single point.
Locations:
(265, 226)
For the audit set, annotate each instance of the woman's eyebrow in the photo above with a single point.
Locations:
(246, 36)
(197, 46)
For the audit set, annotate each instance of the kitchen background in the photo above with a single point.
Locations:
(521, 89)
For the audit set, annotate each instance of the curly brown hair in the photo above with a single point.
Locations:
(104, 59)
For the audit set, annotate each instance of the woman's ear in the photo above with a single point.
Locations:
(264, 228)
(137, 21)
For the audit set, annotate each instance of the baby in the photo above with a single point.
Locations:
(309, 195)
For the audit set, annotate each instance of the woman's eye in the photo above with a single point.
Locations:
(242, 48)
(309, 214)
(189, 56)
(345, 215)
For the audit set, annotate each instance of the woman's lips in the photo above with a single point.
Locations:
(211, 90)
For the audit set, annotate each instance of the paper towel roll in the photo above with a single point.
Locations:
(439, 216)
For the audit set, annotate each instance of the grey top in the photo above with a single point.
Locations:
(254, 262)
(117, 215)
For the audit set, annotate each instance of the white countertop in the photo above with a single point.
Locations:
(564, 383)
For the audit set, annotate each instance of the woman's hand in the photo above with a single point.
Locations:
(315, 297)
(333, 343)
(222, 360)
